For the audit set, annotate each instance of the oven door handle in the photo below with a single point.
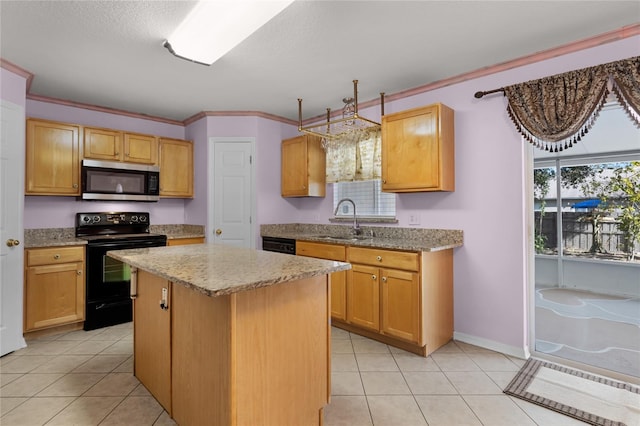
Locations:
(133, 292)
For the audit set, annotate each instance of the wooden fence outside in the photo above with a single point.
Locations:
(577, 233)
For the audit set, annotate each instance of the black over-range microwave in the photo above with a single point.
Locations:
(110, 180)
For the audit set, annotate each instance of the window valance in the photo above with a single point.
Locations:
(555, 112)
(356, 160)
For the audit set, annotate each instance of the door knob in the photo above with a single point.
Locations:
(12, 243)
(218, 231)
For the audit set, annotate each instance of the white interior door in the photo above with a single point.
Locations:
(12, 142)
(233, 190)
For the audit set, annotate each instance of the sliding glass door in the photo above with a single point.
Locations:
(587, 243)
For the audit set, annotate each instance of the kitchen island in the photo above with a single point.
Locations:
(232, 336)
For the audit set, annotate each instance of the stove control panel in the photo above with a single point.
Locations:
(111, 218)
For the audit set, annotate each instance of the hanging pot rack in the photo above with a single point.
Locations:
(346, 126)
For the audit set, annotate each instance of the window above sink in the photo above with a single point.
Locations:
(367, 195)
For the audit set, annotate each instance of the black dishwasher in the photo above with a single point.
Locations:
(279, 245)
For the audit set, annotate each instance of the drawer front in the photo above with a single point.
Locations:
(53, 255)
(408, 261)
(321, 251)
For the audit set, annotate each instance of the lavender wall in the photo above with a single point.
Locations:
(59, 212)
(271, 208)
(13, 87)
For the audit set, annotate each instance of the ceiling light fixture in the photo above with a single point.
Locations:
(349, 129)
(214, 27)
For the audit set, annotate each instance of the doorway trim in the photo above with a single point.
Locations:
(210, 183)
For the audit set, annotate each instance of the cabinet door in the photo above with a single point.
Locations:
(152, 331)
(338, 279)
(303, 172)
(401, 304)
(417, 150)
(102, 144)
(54, 295)
(295, 178)
(52, 158)
(176, 168)
(141, 149)
(363, 297)
(339, 295)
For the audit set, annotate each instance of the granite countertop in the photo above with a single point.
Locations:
(178, 231)
(51, 237)
(408, 239)
(55, 237)
(216, 269)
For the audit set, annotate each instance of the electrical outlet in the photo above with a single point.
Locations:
(414, 219)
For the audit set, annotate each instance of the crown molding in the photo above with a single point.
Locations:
(609, 37)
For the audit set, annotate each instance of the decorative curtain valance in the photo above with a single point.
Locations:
(555, 112)
(355, 160)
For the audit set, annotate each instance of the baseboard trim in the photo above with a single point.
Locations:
(522, 353)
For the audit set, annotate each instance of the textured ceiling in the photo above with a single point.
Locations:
(110, 54)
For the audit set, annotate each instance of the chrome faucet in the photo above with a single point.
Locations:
(356, 227)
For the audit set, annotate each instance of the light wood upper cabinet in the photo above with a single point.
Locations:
(141, 149)
(303, 167)
(52, 158)
(338, 279)
(54, 291)
(102, 144)
(176, 168)
(114, 145)
(418, 150)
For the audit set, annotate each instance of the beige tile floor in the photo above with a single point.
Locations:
(85, 378)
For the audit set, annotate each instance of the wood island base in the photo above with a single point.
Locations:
(255, 357)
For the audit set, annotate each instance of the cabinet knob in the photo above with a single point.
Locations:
(218, 231)
(384, 279)
(12, 243)
(75, 186)
(56, 256)
(79, 272)
(379, 258)
(373, 277)
(117, 153)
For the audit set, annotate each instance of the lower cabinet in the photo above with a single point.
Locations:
(401, 305)
(338, 279)
(54, 292)
(363, 297)
(400, 298)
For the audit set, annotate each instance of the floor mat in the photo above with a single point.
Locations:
(586, 397)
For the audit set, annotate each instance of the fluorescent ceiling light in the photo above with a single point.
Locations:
(214, 27)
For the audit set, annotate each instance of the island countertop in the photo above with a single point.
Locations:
(216, 269)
